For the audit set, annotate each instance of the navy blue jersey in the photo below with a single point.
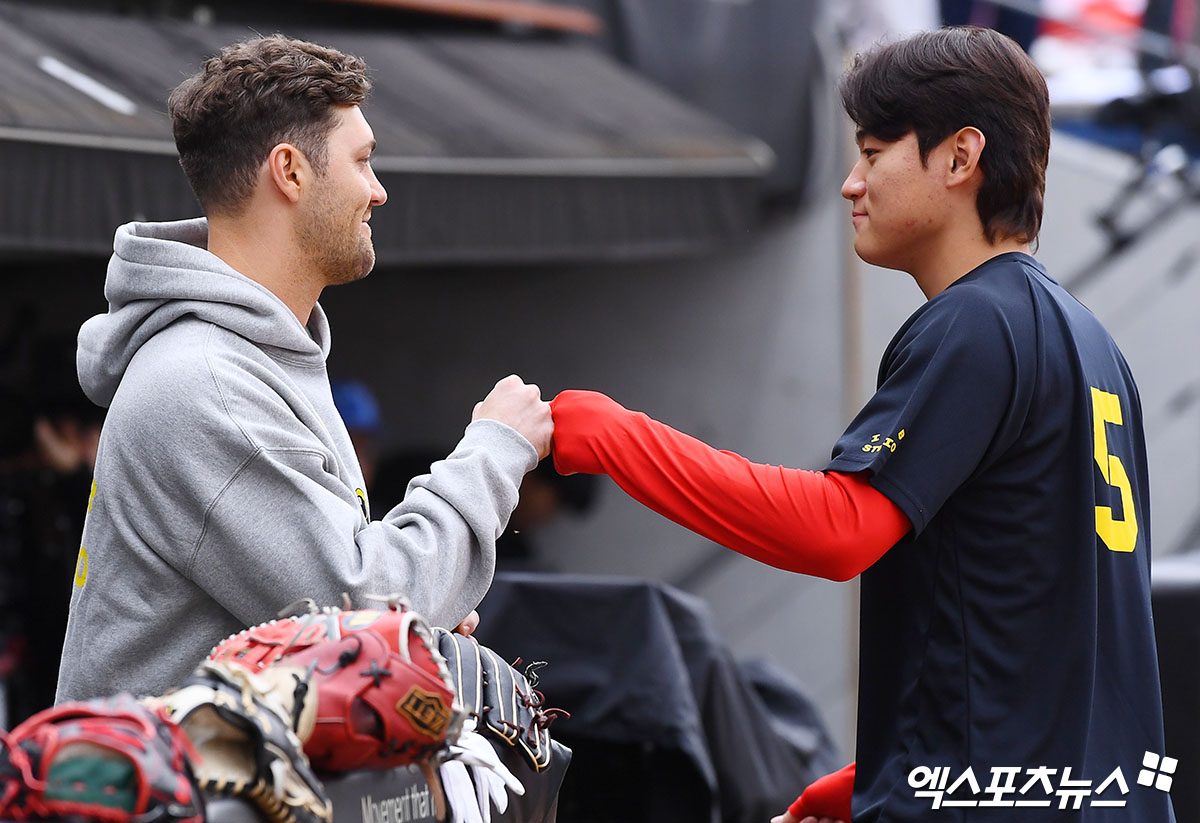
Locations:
(1012, 628)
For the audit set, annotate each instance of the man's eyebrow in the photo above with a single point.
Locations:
(860, 135)
(369, 147)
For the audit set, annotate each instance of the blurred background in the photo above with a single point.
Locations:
(634, 196)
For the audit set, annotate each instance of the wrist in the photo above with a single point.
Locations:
(579, 419)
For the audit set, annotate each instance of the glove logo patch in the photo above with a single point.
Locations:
(361, 619)
(426, 711)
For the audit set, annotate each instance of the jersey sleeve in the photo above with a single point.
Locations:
(824, 524)
(828, 796)
(947, 385)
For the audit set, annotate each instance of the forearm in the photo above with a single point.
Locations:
(823, 524)
(300, 532)
(449, 521)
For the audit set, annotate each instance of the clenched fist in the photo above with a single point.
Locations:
(519, 404)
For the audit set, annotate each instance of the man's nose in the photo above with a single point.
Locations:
(854, 185)
(378, 192)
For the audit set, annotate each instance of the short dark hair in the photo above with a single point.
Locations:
(935, 83)
(248, 99)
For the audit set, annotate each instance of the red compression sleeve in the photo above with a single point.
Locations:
(825, 524)
(827, 797)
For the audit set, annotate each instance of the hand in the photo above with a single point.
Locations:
(469, 624)
(519, 405)
(58, 446)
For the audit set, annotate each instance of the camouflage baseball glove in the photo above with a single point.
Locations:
(107, 759)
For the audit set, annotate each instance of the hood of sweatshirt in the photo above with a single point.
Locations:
(163, 272)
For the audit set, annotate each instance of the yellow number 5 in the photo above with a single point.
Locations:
(1118, 535)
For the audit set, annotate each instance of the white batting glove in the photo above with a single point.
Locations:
(491, 779)
(460, 793)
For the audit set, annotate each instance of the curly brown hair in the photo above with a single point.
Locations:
(248, 99)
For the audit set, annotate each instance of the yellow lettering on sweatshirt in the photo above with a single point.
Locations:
(81, 565)
(81, 568)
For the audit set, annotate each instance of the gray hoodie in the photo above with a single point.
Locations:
(226, 486)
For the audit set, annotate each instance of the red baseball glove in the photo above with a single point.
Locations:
(382, 693)
(107, 759)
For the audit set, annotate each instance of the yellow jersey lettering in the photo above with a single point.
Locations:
(1118, 535)
(879, 442)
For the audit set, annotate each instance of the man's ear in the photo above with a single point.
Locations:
(288, 170)
(966, 145)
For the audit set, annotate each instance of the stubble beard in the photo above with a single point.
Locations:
(335, 244)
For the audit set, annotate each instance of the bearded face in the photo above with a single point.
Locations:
(332, 228)
(333, 235)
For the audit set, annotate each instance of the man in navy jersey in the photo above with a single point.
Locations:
(992, 493)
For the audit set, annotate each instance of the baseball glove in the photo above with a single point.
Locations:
(107, 759)
(241, 726)
(380, 692)
(505, 702)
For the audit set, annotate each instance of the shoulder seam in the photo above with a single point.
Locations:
(212, 330)
(245, 464)
(191, 564)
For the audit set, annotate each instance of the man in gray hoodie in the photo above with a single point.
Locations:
(226, 486)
